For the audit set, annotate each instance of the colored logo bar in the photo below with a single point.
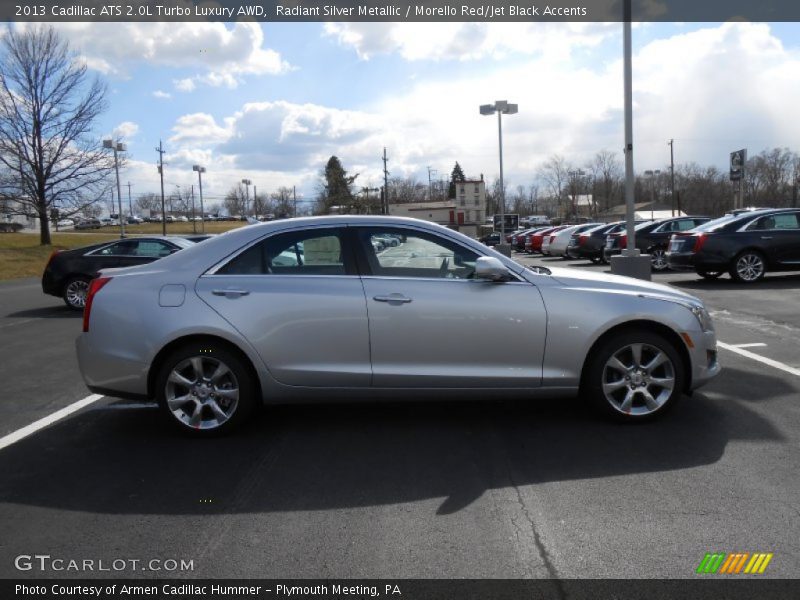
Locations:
(734, 563)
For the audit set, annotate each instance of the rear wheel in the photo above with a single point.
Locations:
(634, 376)
(75, 292)
(205, 390)
(748, 267)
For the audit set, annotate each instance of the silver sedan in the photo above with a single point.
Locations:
(308, 308)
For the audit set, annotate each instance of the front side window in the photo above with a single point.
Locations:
(418, 255)
(310, 252)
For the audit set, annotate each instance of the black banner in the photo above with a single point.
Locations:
(399, 11)
(402, 589)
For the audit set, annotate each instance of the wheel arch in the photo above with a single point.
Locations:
(638, 325)
(158, 359)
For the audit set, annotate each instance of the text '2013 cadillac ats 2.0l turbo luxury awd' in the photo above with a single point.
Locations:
(381, 307)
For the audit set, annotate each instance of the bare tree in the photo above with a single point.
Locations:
(607, 179)
(555, 173)
(148, 202)
(404, 190)
(235, 200)
(282, 203)
(47, 111)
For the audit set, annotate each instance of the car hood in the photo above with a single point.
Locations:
(606, 282)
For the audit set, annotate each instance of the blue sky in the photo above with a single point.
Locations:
(272, 102)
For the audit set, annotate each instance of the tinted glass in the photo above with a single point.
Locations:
(315, 252)
(416, 255)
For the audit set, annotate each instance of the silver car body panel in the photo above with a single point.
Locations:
(328, 338)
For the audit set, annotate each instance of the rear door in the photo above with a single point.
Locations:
(433, 325)
(297, 298)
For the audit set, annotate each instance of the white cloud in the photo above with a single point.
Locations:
(466, 41)
(221, 53)
(126, 130)
(199, 129)
(161, 95)
(184, 85)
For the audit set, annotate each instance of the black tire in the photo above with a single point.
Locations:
(710, 274)
(658, 260)
(197, 414)
(75, 291)
(598, 372)
(595, 260)
(749, 266)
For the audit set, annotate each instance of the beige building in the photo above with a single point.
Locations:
(466, 213)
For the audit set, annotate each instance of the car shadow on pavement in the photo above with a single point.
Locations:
(336, 456)
(48, 312)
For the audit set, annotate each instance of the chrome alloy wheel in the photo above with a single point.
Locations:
(75, 293)
(750, 267)
(638, 379)
(202, 392)
(658, 258)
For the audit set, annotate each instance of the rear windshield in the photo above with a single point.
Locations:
(716, 224)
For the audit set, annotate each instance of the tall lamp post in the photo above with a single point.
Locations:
(501, 107)
(117, 147)
(246, 183)
(200, 170)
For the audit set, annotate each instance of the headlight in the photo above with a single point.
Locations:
(703, 318)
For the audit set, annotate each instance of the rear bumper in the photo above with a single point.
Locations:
(110, 373)
(688, 261)
(49, 285)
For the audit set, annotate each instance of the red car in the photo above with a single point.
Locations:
(537, 238)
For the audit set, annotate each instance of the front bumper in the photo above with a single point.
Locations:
(704, 358)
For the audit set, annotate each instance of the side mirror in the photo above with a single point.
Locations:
(489, 267)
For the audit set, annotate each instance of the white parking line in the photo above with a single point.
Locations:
(19, 434)
(751, 345)
(759, 358)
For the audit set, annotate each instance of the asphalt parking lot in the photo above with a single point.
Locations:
(421, 489)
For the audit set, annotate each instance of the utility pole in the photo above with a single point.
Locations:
(255, 202)
(430, 186)
(672, 173)
(160, 151)
(130, 204)
(294, 198)
(385, 184)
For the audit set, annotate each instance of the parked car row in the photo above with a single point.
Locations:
(652, 237)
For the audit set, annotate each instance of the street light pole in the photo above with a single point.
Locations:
(200, 170)
(118, 147)
(501, 107)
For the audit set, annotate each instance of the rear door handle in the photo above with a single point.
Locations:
(392, 299)
(231, 293)
(766, 237)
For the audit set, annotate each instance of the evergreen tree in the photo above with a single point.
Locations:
(337, 189)
(456, 176)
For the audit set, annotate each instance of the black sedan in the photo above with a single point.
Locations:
(589, 244)
(652, 238)
(746, 245)
(68, 272)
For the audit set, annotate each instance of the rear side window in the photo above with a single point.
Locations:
(776, 221)
(314, 252)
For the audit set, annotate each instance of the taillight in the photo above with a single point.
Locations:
(582, 239)
(94, 286)
(623, 241)
(699, 241)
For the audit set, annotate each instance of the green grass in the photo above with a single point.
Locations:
(22, 256)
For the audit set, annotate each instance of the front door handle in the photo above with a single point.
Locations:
(392, 299)
(230, 293)
(766, 237)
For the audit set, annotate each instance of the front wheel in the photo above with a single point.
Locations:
(205, 390)
(634, 376)
(658, 259)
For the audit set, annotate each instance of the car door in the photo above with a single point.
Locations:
(432, 324)
(297, 298)
(786, 238)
